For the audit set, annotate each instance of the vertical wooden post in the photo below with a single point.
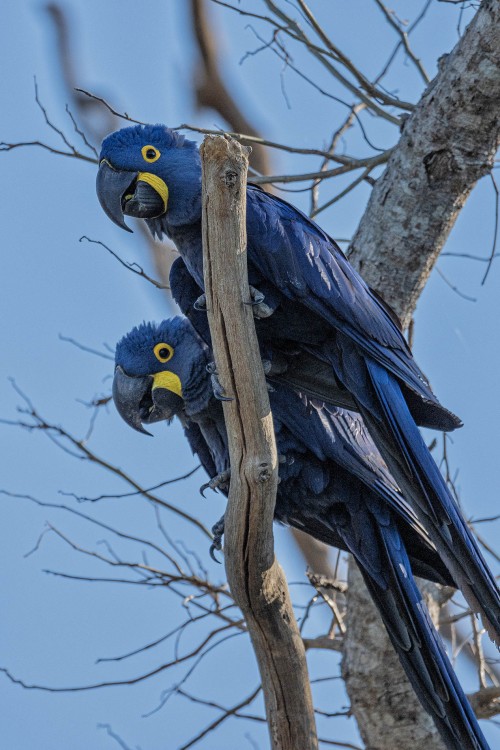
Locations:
(256, 579)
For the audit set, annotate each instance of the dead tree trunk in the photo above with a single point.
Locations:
(447, 144)
(257, 581)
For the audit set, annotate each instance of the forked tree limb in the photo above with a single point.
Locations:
(256, 579)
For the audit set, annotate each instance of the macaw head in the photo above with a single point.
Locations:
(160, 372)
(152, 173)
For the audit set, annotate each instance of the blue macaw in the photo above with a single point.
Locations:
(334, 486)
(313, 307)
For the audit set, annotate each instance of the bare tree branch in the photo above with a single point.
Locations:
(255, 578)
(447, 144)
(210, 89)
(134, 267)
(390, 16)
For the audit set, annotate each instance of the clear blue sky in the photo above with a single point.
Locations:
(52, 630)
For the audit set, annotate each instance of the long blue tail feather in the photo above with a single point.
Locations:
(396, 435)
(419, 647)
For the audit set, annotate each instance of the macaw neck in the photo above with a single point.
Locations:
(188, 241)
(213, 429)
(184, 198)
(197, 389)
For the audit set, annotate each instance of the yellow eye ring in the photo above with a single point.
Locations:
(150, 154)
(163, 352)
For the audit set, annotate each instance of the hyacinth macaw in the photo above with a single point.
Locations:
(311, 306)
(334, 486)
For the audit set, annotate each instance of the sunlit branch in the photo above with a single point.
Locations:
(370, 162)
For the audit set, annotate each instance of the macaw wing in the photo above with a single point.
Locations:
(305, 368)
(185, 291)
(340, 436)
(199, 447)
(308, 267)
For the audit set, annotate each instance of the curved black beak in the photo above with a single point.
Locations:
(112, 185)
(139, 401)
(121, 192)
(131, 397)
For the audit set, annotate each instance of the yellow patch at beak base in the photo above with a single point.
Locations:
(157, 184)
(169, 381)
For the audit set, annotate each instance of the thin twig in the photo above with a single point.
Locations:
(389, 15)
(495, 231)
(85, 348)
(121, 115)
(134, 267)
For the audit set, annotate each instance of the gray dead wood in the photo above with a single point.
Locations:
(256, 579)
(447, 144)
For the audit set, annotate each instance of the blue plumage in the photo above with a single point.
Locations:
(334, 486)
(351, 349)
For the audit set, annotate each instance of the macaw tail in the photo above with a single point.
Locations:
(392, 427)
(419, 647)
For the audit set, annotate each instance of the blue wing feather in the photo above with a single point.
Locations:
(321, 278)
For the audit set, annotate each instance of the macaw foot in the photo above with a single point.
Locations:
(267, 366)
(218, 532)
(201, 303)
(259, 307)
(274, 363)
(220, 481)
(217, 388)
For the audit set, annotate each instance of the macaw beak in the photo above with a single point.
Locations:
(139, 194)
(144, 399)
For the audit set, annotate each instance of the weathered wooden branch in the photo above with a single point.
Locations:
(256, 579)
(447, 144)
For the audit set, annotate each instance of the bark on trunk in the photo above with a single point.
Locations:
(447, 144)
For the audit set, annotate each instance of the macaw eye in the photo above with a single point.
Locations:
(150, 153)
(163, 352)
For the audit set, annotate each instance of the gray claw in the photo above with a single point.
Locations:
(213, 549)
(201, 303)
(218, 481)
(256, 297)
(267, 366)
(259, 307)
(218, 532)
(217, 388)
